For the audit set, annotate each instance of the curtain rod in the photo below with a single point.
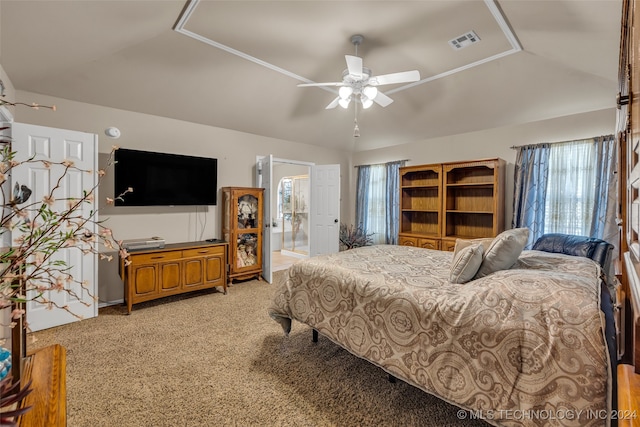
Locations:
(513, 147)
(376, 164)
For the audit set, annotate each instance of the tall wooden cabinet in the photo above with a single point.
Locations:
(443, 202)
(242, 228)
(628, 137)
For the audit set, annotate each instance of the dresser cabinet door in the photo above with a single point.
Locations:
(429, 244)
(448, 245)
(193, 273)
(408, 241)
(215, 268)
(170, 276)
(145, 278)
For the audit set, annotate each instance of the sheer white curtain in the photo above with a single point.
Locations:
(377, 201)
(376, 207)
(571, 188)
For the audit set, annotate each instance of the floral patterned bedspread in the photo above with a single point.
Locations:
(523, 346)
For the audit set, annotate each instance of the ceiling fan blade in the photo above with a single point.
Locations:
(354, 65)
(321, 84)
(382, 99)
(332, 104)
(402, 77)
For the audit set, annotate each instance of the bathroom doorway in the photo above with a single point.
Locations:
(323, 205)
(290, 214)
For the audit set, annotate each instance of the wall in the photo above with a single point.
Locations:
(236, 153)
(491, 143)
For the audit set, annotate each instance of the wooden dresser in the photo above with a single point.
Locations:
(175, 269)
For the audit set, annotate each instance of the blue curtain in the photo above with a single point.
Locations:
(603, 222)
(362, 195)
(530, 189)
(393, 202)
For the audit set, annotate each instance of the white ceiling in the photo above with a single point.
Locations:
(236, 64)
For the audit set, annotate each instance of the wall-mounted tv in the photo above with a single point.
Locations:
(162, 179)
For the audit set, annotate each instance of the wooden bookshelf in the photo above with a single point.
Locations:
(443, 202)
(420, 206)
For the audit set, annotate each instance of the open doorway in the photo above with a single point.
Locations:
(289, 214)
(323, 207)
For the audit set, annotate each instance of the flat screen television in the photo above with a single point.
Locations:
(162, 179)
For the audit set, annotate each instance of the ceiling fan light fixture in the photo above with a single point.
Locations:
(370, 92)
(345, 92)
(359, 84)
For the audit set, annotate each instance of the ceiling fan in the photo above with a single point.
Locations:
(359, 84)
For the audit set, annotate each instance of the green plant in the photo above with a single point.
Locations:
(11, 397)
(354, 236)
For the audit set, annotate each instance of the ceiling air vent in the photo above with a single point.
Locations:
(464, 40)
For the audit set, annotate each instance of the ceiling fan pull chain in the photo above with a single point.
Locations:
(356, 129)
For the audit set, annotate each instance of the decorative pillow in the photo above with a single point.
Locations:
(503, 251)
(466, 263)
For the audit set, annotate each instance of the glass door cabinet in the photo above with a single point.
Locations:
(242, 229)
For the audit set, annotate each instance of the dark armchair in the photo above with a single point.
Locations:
(589, 247)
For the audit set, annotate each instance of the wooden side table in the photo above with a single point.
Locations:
(46, 368)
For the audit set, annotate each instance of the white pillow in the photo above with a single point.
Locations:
(465, 263)
(503, 251)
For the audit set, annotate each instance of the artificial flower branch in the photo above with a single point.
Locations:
(29, 264)
(33, 105)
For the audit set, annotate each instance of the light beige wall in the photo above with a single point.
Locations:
(236, 153)
(9, 91)
(491, 143)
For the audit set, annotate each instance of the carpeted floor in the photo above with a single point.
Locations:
(209, 359)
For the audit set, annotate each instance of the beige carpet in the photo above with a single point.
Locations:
(210, 359)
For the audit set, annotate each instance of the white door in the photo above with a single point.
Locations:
(325, 210)
(267, 173)
(57, 145)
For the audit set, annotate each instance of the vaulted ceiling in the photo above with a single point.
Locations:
(237, 64)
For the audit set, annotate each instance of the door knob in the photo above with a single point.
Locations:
(335, 220)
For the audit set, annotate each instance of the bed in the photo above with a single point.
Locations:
(524, 345)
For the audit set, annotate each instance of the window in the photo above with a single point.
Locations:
(377, 204)
(567, 187)
(571, 187)
(283, 209)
